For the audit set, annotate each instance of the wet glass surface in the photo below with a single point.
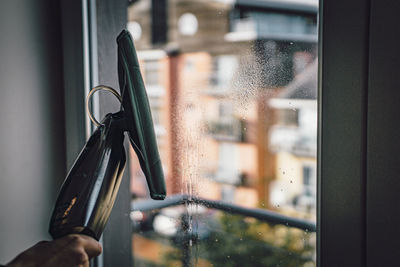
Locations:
(233, 92)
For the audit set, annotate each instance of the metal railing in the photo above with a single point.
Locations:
(261, 214)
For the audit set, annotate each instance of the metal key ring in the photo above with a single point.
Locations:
(95, 89)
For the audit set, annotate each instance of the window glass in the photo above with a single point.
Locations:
(233, 88)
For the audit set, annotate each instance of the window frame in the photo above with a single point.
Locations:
(89, 29)
(342, 133)
(358, 168)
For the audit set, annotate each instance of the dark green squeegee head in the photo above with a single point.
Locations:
(135, 106)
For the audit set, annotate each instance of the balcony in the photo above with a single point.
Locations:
(294, 140)
(191, 231)
(232, 130)
(273, 20)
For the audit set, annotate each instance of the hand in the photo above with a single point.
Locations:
(72, 250)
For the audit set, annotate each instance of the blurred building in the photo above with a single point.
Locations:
(211, 68)
(294, 140)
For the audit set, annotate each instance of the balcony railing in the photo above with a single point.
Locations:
(261, 214)
(186, 236)
(225, 130)
(234, 130)
(293, 140)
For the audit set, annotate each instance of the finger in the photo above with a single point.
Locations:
(64, 241)
(72, 254)
(76, 248)
(91, 246)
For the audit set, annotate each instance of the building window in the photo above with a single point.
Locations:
(223, 71)
(152, 72)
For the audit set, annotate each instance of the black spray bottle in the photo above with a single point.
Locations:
(89, 191)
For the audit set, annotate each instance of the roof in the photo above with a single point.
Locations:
(304, 85)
